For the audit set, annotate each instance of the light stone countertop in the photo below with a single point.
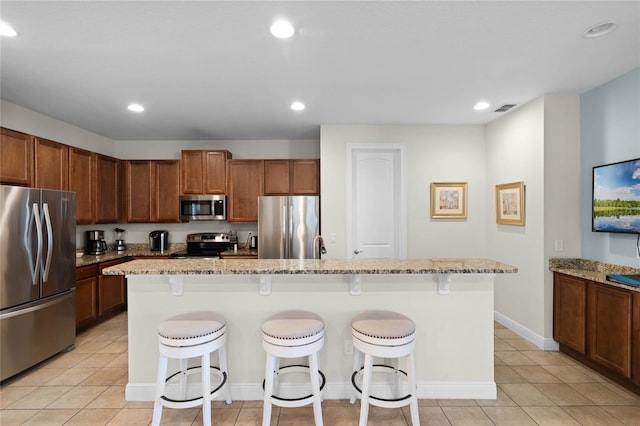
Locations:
(309, 266)
(592, 270)
(133, 250)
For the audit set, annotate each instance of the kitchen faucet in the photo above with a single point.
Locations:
(323, 250)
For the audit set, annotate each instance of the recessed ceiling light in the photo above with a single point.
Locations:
(599, 29)
(482, 105)
(297, 106)
(135, 107)
(282, 29)
(6, 30)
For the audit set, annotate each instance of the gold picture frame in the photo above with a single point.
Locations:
(510, 203)
(449, 200)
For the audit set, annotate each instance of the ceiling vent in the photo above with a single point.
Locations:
(505, 108)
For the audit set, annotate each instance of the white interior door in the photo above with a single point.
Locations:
(376, 213)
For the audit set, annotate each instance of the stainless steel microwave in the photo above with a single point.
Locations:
(203, 207)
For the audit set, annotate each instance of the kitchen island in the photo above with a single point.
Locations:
(450, 300)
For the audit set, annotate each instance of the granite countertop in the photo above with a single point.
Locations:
(592, 270)
(240, 252)
(308, 266)
(133, 250)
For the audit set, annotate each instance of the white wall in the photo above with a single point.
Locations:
(515, 147)
(23, 120)
(434, 153)
(538, 144)
(561, 189)
(610, 132)
(268, 149)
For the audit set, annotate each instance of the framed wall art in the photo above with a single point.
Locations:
(510, 203)
(449, 200)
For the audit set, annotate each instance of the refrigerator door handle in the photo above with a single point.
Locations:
(47, 263)
(283, 238)
(38, 223)
(290, 232)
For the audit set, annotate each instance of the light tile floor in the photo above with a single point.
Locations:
(86, 387)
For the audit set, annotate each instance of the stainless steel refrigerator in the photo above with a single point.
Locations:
(289, 227)
(37, 276)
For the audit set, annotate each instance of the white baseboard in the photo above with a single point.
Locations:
(544, 343)
(253, 391)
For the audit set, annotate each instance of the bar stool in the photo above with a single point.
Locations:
(292, 334)
(184, 336)
(383, 334)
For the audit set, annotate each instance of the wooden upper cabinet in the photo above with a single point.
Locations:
(245, 183)
(81, 178)
(204, 172)
(16, 158)
(570, 312)
(165, 191)
(305, 177)
(277, 177)
(108, 182)
(51, 165)
(610, 327)
(153, 188)
(291, 177)
(138, 189)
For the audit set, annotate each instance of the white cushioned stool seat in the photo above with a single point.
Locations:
(292, 334)
(185, 336)
(383, 334)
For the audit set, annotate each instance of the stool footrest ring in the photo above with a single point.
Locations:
(356, 373)
(198, 398)
(309, 397)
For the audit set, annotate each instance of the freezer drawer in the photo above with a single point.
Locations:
(36, 332)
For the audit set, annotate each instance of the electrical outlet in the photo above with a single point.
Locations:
(348, 347)
(559, 245)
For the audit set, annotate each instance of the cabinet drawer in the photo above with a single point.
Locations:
(86, 272)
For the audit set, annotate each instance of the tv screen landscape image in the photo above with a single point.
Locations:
(616, 197)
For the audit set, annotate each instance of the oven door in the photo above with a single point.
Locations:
(203, 207)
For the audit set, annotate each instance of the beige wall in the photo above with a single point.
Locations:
(434, 153)
(539, 144)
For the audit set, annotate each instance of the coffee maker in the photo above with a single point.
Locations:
(120, 245)
(95, 243)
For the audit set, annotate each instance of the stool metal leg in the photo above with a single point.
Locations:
(315, 388)
(268, 390)
(206, 389)
(366, 383)
(157, 405)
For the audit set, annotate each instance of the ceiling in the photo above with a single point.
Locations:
(210, 70)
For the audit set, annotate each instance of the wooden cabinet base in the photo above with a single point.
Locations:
(621, 380)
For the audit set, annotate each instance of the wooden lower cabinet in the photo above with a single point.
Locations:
(112, 293)
(86, 295)
(635, 341)
(569, 312)
(599, 325)
(98, 296)
(609, 330)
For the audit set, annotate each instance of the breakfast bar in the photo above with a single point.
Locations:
(450, 300)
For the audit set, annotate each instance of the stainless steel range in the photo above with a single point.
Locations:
(206, 244)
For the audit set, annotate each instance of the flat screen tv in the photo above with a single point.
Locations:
(616, 197)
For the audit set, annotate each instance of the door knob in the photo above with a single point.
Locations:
(358, 251)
